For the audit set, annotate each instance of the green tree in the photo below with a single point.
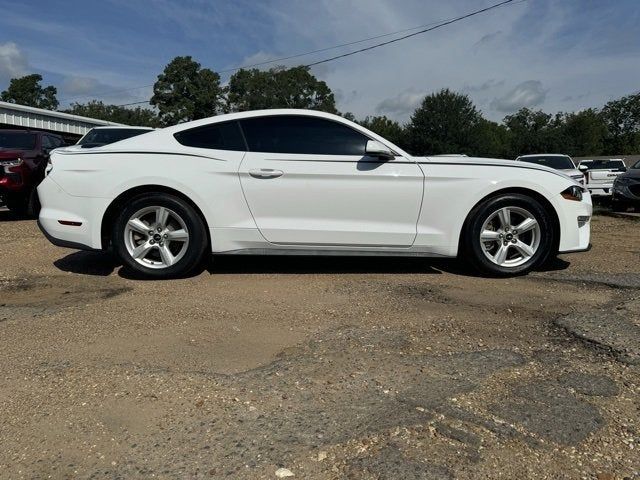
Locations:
(28, 91)
(113, 113)
(534, 132)
(622, 119)
(184, 91)
(385, 127)
(490, 139)
(443, 123)
(349, 116)
(278, 87)
(584, 133)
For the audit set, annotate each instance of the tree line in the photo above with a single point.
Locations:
(444, 122)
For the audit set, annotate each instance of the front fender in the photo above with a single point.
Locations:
(453, 190)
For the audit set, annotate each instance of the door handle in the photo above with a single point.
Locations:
(265, 173)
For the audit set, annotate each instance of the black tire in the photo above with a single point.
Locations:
(619, 205)
(17, 204)
(197, 236)
(472, 247)
(33, 204)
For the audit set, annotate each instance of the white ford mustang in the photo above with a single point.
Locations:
(302, 182)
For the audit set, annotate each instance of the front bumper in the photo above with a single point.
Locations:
(575, 224)
(627, 192)
(70, 221)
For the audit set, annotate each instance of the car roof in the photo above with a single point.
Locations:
(545, 155)
(121, 127)
(259, 113)
(28, 130)
(602, 160)
(150, 141)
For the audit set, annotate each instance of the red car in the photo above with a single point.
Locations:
(23, 159)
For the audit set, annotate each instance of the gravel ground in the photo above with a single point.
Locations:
(319, 367)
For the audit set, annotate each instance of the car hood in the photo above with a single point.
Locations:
(492, 161)
(498, 163)
(631, 173)
(572, 172)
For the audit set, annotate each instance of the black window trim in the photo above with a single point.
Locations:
(307, 116)
(238, 122)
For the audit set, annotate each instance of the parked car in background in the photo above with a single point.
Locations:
(600, 174)
(99, 136)
(626, 188)
(23, 159)
(301, 182)
(560, 162)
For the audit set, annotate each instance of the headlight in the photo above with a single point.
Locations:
(573, 193)
(12, 162)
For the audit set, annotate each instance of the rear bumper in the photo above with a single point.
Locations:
(58, 242)
(600, 190)
(85, 214)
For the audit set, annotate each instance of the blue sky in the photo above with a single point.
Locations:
(549, 54)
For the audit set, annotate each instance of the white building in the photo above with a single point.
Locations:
(71, 127)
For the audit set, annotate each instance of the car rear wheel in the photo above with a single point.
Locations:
(159, 236)
(24, 204)
(17, 204)
(508, 235)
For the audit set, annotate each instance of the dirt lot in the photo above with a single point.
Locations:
(330, 368)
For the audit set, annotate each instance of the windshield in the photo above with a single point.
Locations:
(603, 164)
(559, 162)
(18, 140)
(105, 136)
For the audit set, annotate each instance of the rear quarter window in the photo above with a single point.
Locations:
(218, 136)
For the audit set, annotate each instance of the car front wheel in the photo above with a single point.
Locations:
(508, 235)
(159, 236)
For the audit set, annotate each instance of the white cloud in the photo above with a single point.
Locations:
(527, 94)
(79, 85)
(487, 39)
(491, 56)
(490, 84)
(13, 62)
(401, 105)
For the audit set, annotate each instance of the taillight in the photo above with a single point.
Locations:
(10, 164)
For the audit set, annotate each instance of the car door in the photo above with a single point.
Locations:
(307, 181)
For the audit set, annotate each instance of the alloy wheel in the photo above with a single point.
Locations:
(156, 237)
(510, 236)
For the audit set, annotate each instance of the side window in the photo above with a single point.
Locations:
(304, 135)
(46, 142)
(218, 136)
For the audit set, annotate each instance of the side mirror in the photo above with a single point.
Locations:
(622, 169)
(376, 149)
(583, 168)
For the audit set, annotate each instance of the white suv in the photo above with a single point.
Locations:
(557, 161)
